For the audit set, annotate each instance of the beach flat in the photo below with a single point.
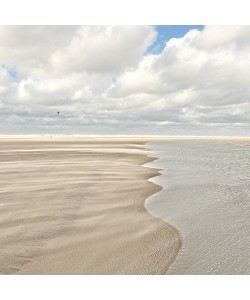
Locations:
(76, 206)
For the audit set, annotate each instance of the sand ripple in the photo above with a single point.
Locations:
(71, 207)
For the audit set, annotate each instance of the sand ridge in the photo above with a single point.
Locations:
(80, 210)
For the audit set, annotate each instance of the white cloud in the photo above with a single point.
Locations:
(100, 78)
(104, 49)
(46, 50)
(198, 69)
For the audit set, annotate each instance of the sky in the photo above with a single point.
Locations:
(125, 80)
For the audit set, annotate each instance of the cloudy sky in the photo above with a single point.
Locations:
(150, 80)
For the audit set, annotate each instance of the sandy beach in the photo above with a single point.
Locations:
(76, 206)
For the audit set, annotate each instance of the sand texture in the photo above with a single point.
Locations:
(76, 206)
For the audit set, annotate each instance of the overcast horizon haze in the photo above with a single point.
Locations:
(125, 80)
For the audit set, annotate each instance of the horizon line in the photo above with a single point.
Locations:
(118, 135)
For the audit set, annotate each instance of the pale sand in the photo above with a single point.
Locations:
(76, 206)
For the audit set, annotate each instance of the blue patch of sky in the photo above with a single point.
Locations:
(11, 72)
(114, 79)
(167, 32)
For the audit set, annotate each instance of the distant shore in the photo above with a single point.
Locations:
(76, 206)
(108, 138)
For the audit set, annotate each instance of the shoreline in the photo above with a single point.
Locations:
(206, 185)
(115, 138)
(120, 237)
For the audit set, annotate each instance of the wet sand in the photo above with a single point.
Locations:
(76, 206)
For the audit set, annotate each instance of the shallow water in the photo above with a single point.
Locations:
(206, 196)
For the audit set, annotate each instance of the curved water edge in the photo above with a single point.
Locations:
(177, 248)
(206, 196)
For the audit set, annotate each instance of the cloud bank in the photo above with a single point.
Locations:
(103, 81)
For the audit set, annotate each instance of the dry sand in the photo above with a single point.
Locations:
(76, 206)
